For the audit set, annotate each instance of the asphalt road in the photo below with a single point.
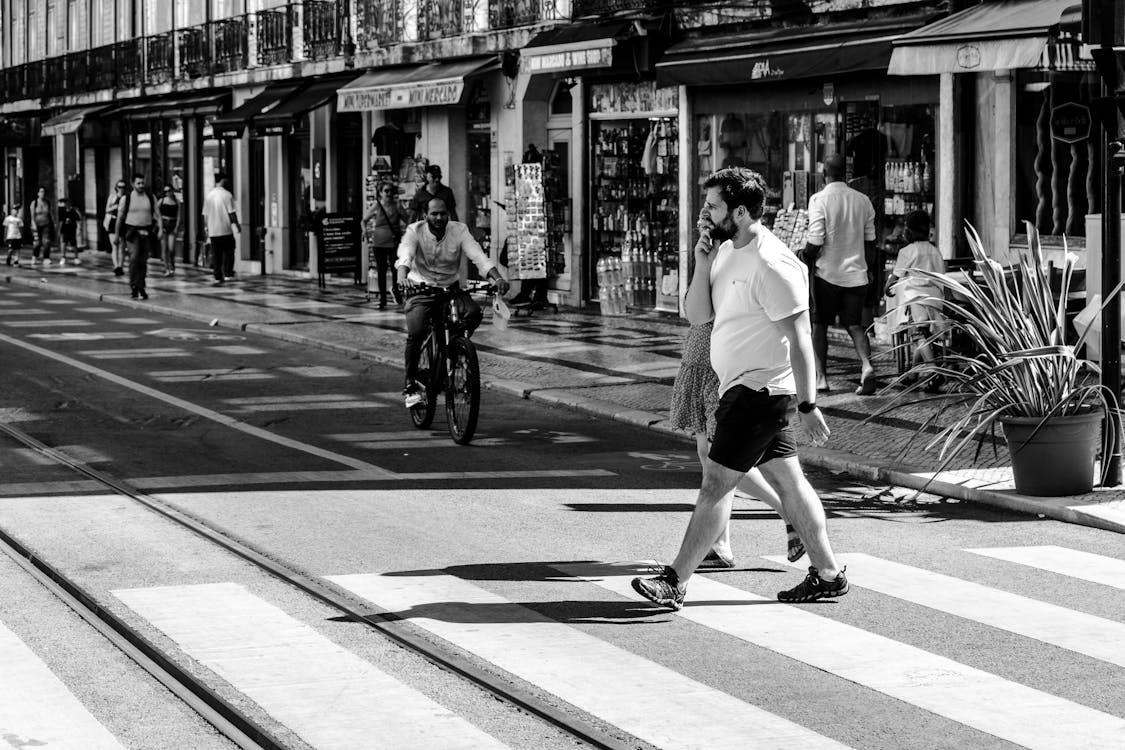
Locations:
(512, 552)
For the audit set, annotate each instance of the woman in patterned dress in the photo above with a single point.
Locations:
(695, 397)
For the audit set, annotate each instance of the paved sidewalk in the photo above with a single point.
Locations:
(614, 368)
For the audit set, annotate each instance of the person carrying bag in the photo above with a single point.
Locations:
(384, 237)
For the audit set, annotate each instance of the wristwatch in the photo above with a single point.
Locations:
(806, 406)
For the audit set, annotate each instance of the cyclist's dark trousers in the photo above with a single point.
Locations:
(420, 310)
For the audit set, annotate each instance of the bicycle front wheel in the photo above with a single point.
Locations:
(423, 415)
(462, 395)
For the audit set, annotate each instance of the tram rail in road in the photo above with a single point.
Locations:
(226, 718)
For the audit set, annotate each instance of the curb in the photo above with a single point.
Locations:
(913, 478)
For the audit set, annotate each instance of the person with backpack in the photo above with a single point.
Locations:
(110, 223)
(137, 224)
(69, 219)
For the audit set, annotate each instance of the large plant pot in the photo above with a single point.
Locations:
(1055, 459)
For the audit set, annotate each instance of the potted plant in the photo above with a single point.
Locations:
(1016, 370)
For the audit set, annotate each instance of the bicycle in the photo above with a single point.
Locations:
(447, 343)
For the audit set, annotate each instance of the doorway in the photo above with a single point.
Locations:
(257, 200)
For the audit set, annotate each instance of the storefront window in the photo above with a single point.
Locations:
(174, 165)
(1057, 152)
(142, 151)
(478, 214)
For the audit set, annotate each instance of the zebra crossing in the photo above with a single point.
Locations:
(333, 698)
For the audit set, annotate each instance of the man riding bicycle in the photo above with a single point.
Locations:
(431, 253)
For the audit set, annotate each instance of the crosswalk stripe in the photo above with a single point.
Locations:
(1058, 626)
(327, 695)
(970, 696)
(49, 323)
(134, 353)
(1086, 566)
(37, 709)
(650, 701)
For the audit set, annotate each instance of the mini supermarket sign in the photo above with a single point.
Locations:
(1070, 122)
(401, 96)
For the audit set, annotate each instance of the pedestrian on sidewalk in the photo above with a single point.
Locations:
(13, 234)
(43, 220)
(221, 222)
(384, 221)
(137, 225)
(169, 225)
(756, 292)
(116, 247)
(68, 230)
(840, 247)
(695, 397)
(433, 188)
(919, 298)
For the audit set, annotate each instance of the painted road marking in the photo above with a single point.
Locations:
(37, 709)
(198, 410)
(298, 402)
(1076, 631)
(134, 353)
(60, 301)
(650, 701)
(327, 695)
(135, 321)
(17, 414)
(1108, 571)
(975, 698)
(188, 376)
(27, 311)
(82, 336)
(317, 371)
(96, 309)
(236, 349)
(195, 334)
(46, 323)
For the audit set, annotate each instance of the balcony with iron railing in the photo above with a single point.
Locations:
(160, 58)
(266, 38)
(320, 28)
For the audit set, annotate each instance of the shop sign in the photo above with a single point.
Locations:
(338, 236)
(403, 96)
(1070, 123)
(633, 98)
(968, 56)
(763, 69)
(598, 57)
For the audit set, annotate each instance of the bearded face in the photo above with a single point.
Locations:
(723, 230)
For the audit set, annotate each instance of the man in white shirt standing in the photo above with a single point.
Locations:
(841, 241)
(221, 222)
(430, 253)
(756, 291)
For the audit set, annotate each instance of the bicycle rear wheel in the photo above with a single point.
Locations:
(462, 394)
(423, 415)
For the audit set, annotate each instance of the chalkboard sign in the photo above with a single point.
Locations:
(339, 244)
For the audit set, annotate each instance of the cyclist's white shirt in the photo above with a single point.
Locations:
(438, 262)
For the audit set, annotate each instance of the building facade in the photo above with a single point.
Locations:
(624, 105)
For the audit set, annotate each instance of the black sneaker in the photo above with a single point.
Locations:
(414, 395)
(814, 587)
(664, 589)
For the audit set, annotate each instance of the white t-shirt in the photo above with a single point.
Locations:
(217, 208)
(12, 225)
(840, 220)
(917, 255)
(752, 288)
(438, 262)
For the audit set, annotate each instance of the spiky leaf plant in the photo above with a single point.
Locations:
(1017, 362)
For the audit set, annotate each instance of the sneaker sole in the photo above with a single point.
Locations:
(668, 603)
(813, 597)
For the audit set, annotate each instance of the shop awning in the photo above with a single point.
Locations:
(187, 106)
(69, 121)
(420, 86)
(573, 47)
(997, 35)
(782, 54)
(231, 124)
(281, 119)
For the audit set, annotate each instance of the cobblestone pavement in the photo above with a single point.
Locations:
(618, 368)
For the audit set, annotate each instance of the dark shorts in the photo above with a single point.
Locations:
(830, 301)
(751, 428)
